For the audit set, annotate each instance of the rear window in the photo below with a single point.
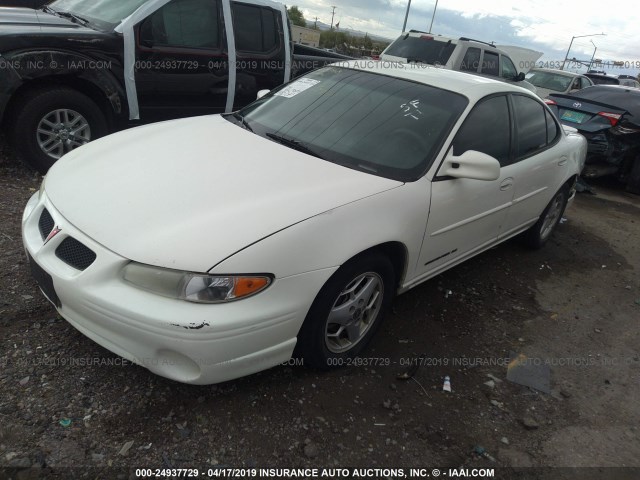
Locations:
(424, 49)
(598, 80)
(255, 28)
(549, 80)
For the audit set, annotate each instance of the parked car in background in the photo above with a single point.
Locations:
(213, 247)
(462, 54)
(547, 80)
(628, 81)
(609, 118)
(79, 69)
(604, 79)
(24, 3)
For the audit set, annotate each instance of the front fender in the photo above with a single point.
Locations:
(332, 238)
(41, 64)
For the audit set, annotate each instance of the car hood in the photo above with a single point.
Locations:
(28, 17)
(545, 92)
(186, 194)
(21, 27)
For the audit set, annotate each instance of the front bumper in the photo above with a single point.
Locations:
(187, 342)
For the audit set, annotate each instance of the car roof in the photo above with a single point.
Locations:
(600, 75)
(454, 40)
(472, 86)
(632, 90)
(558, 71)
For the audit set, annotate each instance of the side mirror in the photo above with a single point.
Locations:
(520, 77)
(471, 164)
(262, 93)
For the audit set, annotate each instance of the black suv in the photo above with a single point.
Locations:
(64, 80)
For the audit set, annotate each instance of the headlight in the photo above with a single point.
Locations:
(194, 287)
(41, 191)
(33, 201)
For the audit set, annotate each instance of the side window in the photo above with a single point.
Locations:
(552, 128)
(491, 64)
(508, 68)
(183, 23)
(255, 28)
(531, 125)
(486, 130)
(584, 82)
(471, 60)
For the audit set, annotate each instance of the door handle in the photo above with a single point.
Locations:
(506, 184)
(563, 161)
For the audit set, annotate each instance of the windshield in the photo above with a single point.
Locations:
(104, 13)
(365, 121)
(549, 80)
(422, 49)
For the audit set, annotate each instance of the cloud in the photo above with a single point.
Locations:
(545, 25)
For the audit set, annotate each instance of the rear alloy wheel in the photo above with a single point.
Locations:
(51, 123)
(347, 312)
(541, 231)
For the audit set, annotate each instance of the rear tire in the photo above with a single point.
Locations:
(347, 312)
(52, 122)
(540, 232)
(633, 181)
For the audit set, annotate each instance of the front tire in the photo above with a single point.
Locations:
(52, 122)
(347, 312)
(538, 234)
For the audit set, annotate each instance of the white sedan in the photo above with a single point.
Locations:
(209, 248)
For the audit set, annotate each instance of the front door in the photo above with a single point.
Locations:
(466, 215)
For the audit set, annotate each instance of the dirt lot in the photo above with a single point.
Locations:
(69, 407)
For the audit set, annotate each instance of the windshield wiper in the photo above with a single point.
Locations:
(294, 144)
(71, 16)
(242, 120)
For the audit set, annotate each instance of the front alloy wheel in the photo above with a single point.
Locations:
(347, 311)
(354, 312)
(52, 121)
(61, 131)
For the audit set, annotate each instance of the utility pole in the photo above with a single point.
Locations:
(333, 12)
(433, 16)
(406, 17)
(315, 25)
(570, 44)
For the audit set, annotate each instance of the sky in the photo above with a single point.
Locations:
(543, 25)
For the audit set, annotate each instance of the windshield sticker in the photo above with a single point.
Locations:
(411, 109)
(297, 87)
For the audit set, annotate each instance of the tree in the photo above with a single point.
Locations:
(367, 43)
(296, 17)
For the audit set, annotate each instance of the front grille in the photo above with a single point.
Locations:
(45, 224)
(75, 254)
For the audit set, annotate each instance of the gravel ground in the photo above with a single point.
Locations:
(71, 408)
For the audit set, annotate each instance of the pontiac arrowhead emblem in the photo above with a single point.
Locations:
(53, 233)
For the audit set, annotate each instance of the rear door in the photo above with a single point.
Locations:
(259, 37)
(538, 166)
(181, 65)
